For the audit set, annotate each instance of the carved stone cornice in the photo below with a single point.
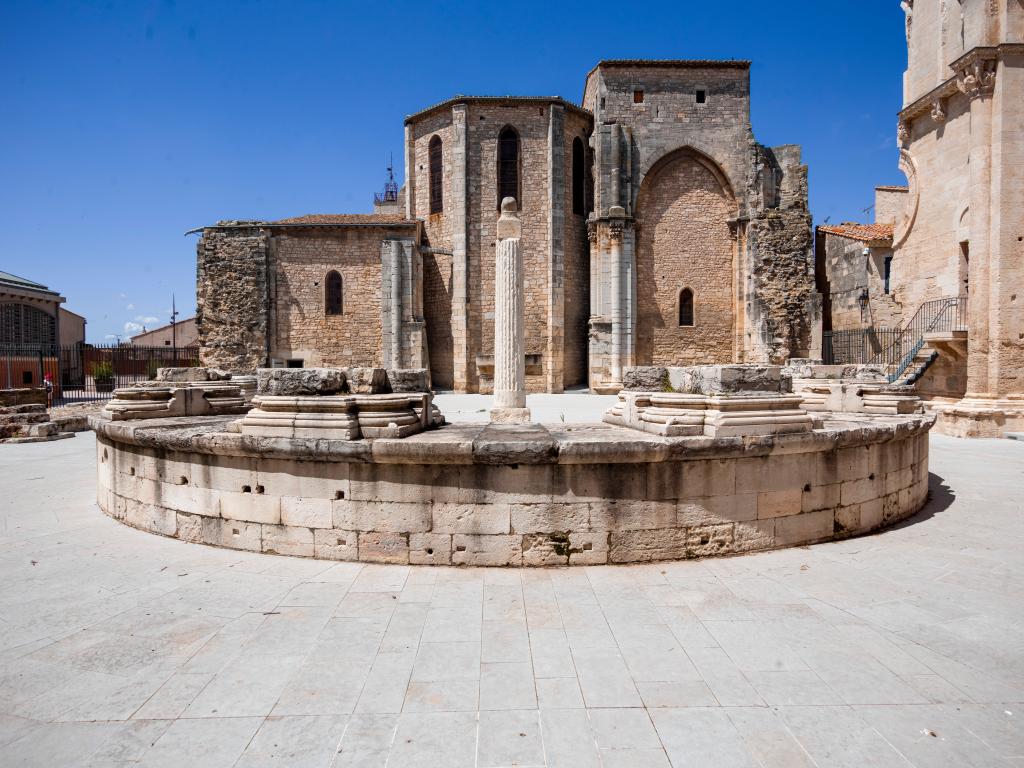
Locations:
(961, 67)
(976, 72)
(615, 230)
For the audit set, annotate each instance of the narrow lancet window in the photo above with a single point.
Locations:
(436, 176)
(333, 294)
(578, 203)
(686, 308)
(508, 165)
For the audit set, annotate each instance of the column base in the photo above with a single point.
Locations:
(510, 416)
(979, 416)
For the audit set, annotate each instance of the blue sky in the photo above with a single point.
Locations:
(124, 124)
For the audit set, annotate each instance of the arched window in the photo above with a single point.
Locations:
(333, 294)
(436, 175)
(686, 307)
(508, 165)
(578, 203)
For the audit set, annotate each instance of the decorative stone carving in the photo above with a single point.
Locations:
(615, 230)
(509, 321)
(903, 132)
(977, 77)
(938, 111)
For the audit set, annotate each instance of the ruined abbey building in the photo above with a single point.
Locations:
(655, 230)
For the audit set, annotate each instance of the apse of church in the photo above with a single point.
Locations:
(655, 230)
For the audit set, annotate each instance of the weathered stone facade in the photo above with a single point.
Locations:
(673, 179)
(959, 226)
(685, 199)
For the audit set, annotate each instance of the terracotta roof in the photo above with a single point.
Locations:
(854, 231)
(365, 219)
(893, 188)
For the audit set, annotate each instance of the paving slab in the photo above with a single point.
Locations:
(905, 648)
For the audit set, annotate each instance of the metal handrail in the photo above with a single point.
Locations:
(946, 314)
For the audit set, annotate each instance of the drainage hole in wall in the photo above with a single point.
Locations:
(246, 489)
(340, 542)
(182, 480)
(807, 487)
(460, 549)
(587, 547)
(104, 454)
(259, 489)
(430, 550)
(234, 531)
(339, 494)
(131, 471)
(871, 476)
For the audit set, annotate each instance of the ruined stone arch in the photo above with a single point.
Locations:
(683, 242)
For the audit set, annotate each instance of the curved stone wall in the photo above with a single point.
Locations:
(503, 495)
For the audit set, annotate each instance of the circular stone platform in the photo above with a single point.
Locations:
(576, 494)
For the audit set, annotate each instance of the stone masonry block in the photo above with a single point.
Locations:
(754, 535)
(847, 521)
(647, 545)
(588, 548)
(399, 517)
(470, 518)
(250, 507)
(545, 549)
(632, 515)
(321, 480)
(430, 549)
(524, 484)
(714, 510)
(818, 497)
(384, 547)
(774, 473)
(188, 498)
(583, 482)
(804, 528)
(872, 513)
(335, 544)
(307, 513)
(403, 482)
(287, 540)
(233, 534)
(708, 478)
(190, 527)
(150, 517)
(470, 549)
(549, 518)
(779, 503)
(709, 540)
(857, 491)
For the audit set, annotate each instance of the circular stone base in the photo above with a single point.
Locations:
(525, 495)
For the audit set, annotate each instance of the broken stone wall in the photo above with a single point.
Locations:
(785, 308)
(231, 296)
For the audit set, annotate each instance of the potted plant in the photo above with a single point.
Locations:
(103, 376)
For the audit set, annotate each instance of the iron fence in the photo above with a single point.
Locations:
(855, 346)
(81, 373)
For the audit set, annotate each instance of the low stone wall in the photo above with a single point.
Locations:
(519, 496)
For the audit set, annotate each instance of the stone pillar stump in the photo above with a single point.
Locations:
(509, 322)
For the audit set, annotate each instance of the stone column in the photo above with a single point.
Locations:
(618, 309)
(509, 322)
(396, 303)
(976, 81)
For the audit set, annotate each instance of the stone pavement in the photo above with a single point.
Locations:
(120, 648)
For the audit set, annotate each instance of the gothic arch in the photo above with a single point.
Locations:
(651, 165)
(683, 243)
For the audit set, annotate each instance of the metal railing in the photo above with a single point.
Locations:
(85, 372)
(856, 346)
(944, 315)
